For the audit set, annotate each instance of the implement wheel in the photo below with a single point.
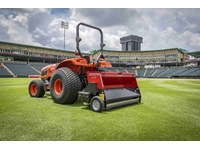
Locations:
(36, 88)
(64, 86)
(97, 104)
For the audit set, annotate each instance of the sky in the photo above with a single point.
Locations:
(161, 28)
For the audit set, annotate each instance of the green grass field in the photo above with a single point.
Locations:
(169, 111)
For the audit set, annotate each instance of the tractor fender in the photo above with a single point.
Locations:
(73, 63)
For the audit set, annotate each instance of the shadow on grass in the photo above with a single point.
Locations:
(47, 95)
(113, 109)
(79, 103)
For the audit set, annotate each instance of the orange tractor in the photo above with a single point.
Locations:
(79, 78)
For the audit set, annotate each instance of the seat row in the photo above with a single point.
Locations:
(24, 70)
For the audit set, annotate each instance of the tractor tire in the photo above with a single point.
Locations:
(36, 88)
(97, 104)
(64, 86)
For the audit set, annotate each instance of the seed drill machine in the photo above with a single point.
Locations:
(86, 80)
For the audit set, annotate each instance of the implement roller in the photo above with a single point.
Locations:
(83, 79)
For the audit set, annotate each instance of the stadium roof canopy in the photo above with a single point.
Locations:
(39, 47)
(47, 48)
(195, 54)
(142, 51)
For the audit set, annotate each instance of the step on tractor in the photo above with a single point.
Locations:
(81, 78)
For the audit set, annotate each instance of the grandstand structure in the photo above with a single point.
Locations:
(30, 53)
(164, 57)
(19, 60)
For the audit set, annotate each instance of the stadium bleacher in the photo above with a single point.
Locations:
(149, 72)
(38, 66)
(108, 69)
(114, 69)
(177, 72)
(20, 69)
(121, 69)
(141, 72)
(130, 70)
(188, 72)
(165, 73)
(158, 72)
(195, 74)
(4, 72)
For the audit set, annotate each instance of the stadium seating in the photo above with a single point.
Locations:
(4, 73)
(108, 69)
(149, 72)
(21, 69)
(188, 72)
(38, 66)
(121, 69)
(141, 72)
(114, 69)
(165, 73)
(130, 70)
(158, 72)
(177, 72)
(195, 74)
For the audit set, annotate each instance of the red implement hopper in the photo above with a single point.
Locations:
(110, 89)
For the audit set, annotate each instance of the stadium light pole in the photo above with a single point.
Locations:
(64, 25)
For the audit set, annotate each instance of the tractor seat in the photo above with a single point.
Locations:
(87, 59)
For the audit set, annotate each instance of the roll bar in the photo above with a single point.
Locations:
(78, 39)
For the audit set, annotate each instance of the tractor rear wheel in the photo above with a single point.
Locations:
(64, 86)
(36, 88)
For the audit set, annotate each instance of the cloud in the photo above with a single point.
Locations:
(178, 19)
(21, 11)
(20, 20)
(28, 25)
(15, 30)
(191, 40)
(105, 17)
(160, 28)
(3, 29)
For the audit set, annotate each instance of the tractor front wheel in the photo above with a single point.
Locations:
(36, 88)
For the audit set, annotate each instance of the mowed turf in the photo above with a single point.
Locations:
(170, 110)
